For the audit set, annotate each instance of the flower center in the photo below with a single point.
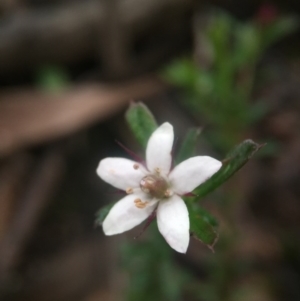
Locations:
(156, 186)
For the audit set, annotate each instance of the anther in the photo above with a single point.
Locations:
(157, 170)
(140, 204)
(168, 193)
(136, 166)
(129, 190)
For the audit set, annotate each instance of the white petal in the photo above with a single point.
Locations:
(124, 215)
(159, 148)
(192, 172)
(121, 173)
(173, 223)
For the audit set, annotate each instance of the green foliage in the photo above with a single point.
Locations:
(102, 213)
(279, 29)
(141, 122)
(202, 225)
(219, 90)
(153, 274)
(238, 157)
(182, 73)
(150, 262)
(52, 79)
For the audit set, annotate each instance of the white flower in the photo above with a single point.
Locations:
(155, 187)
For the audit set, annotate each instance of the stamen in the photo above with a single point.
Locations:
(140, 204)
(157, 170)
(129, 190)
(136, 166)
(168, 193)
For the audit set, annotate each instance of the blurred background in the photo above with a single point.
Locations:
(68, 71)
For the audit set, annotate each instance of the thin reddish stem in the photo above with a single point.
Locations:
(132, 154)
(190, 194)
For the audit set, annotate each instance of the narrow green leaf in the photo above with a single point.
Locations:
(234, 161)
(182, 72)
(207, 216)
(52, 79)
(141, 122)
(188, 146)
(102, 213)
(279, 29)
(200, 225)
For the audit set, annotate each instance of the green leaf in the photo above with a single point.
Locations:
(207, 216)
(52, 79)
(247, 45)
(149, 263)
(201, 226)
(102, 213)
(234, 161)
(188, 145)
(141, 122)
(279, 29)
(182, 72)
